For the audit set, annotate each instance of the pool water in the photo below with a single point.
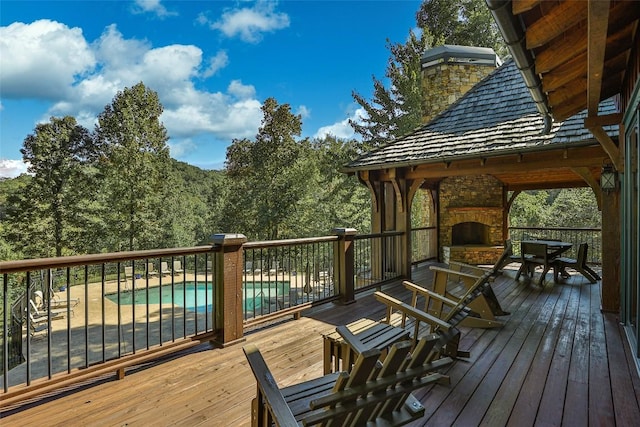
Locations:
(199, 296)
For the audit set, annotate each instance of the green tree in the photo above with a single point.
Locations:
(461, 22)
(267, 176)
(529, 209)
(397, 110)
(574, 207)
(50, 208)
(194, 213)
(134, 169)
(334, 199)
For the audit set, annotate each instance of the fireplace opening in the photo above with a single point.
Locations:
(470, 233)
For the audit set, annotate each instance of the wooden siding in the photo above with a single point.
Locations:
(557, 360)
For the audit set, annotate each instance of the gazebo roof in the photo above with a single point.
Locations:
(496, 117)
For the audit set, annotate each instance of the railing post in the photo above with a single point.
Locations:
(343, 263)
(228, 288)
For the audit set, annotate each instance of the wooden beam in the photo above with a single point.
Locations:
(598, 19)
(557, 21)
(397, 188)
(578, 183)
(570, 108)
(365, 178)
(574, 42)
(566, 72)
(562, 50)
(416, 184)
(609, 147)
(547, 160)
(573, 89)
(606, 120)
(521, 6)
(575, 92)
(514, 194)
(563, 71)
(588, 177)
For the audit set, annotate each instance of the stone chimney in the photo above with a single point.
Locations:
(449, 71)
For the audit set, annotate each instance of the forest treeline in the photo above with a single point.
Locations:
(116, 188)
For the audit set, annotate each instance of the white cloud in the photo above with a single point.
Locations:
(241, 91)
(181, 147)
(248, 23)
(90, 74)
(342, 129)
(152, 6)
(42, 59)
(12, 168)
(304, 112)
(216, 63)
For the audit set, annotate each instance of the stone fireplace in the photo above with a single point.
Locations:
(471, 216)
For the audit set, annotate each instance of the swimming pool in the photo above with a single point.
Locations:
(199, 296)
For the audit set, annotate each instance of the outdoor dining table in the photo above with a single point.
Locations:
(554, 247)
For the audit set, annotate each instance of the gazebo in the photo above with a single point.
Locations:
(475, 157)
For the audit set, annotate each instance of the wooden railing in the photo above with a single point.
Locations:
(87, 315)
(103, 313)
(108, 312)
(377, 259)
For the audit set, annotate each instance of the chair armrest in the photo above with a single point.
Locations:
(412, 311)
(430, 294)
(267, 384)
(354, 342)
(474, 270)
(460, 274)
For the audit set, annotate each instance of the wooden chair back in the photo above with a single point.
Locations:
(374, 391)
(582, 254)
(537, 252)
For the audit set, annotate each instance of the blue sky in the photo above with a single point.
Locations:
(212, 63)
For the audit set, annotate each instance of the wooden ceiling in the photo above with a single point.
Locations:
(581, 49)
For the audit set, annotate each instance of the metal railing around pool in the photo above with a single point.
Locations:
(287, 275)
(71, 318)
(80, 312)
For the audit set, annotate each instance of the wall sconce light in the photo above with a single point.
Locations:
(608, 179)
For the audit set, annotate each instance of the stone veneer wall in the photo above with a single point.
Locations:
(444, 83)
(470, 198)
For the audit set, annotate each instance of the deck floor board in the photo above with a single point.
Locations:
(556, 361)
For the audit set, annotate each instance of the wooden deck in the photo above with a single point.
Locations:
(556, 361)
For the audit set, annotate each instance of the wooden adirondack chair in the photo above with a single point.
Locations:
(373, 392)
(488, 295)
(507, 257)
(449, 336)
(339, 356)
(477, 291)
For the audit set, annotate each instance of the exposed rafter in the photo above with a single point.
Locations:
(560, 19)
(598, 18)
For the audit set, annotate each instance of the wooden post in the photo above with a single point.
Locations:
(343, 264)
(610, 293)
(227, 305)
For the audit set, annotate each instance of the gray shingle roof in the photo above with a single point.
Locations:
(497, 116)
